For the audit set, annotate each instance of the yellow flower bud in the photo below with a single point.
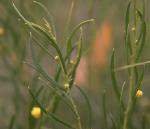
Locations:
(133, 29)
(72, 62)
(66, 85)
(36, 112)
(139, 93)
(56, 58)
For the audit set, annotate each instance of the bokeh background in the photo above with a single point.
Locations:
(93, 74)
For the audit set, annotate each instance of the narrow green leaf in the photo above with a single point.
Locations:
(69, 16)
(113, 76)
(127, 19)
(121, 95)
(88, 106)
(121, 103)
(128, 47)
(143, 35)
(128, 50)
(141, 32)
(113, 121)
(139, 84)
(127, 33)
(11, 124)
(69, 44)
(78, 57)
(49, 15)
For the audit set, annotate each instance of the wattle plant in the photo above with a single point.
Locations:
(135, 38)
(49, 90)
(61, 84)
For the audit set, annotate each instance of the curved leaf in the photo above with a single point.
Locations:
(49, 15)
(113, 76)
(88, 105)
(69, 45)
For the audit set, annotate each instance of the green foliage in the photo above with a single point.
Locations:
(69, 74)
(134, 44)
(54, 92)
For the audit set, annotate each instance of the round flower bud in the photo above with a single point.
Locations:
(139, 93)
(66, 85)
(36, 112)
(56, 58)
(72, 62)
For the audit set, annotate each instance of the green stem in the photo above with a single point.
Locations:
(77, 114)
(131, 76)
(130, 101)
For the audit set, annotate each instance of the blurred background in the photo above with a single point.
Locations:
(93, 73)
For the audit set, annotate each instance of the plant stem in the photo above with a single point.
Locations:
(77, 114)
(129, 107)
(132, 75)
